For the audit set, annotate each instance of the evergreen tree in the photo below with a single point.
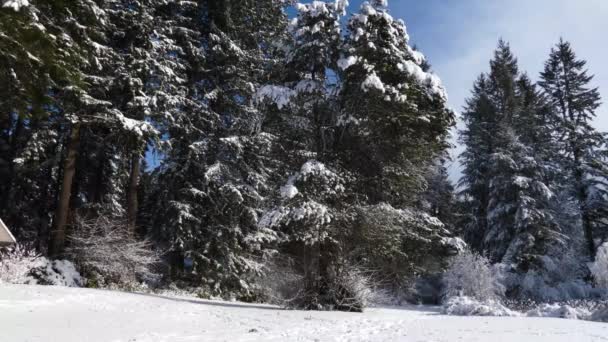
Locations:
(371, 141)
(394, 119)
(439, 198)
(43, 66)
(566, 83)
(393, 127)
(212, 181)
(478, 138)
(302, 113)
(507, 165)
(94, 112)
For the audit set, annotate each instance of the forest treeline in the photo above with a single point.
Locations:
(265, 137)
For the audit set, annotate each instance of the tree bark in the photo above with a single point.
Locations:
(588, 228)
(582, 197)
(132, 198)
(58, 233)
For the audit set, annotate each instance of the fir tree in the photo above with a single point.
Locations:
(506, 167)
(566, 83)
(302, 114)
(480, 123)
(393, 117)
(212, 180)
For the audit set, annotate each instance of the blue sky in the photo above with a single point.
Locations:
(459, 36)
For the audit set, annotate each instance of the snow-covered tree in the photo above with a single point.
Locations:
(211, 185)
(393, 126)
(301, 111)
(393, 120)
(37, 64)
(566, 83)
(306, 223)
(477, 136)
(505, 171)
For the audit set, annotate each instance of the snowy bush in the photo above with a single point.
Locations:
(471, 275)
(467, 306)
(21, 265)
(355, 290)
(557, 310)
(557, 277)
(590, 310)
(543, 288)
(599, 268)
(16, 264)
(110, 256)
(600, 314)
(351, 289)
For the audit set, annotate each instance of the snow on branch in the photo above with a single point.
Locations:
(281, 96)
(106, 251)
(15, 4)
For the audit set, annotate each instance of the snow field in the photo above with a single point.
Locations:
(35, 313)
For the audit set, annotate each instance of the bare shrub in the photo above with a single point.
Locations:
(109, 255)
(351, 289)
(355, 289)
(471, 275)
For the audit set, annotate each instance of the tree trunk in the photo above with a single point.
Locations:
(132, 198)
(13, 145)
(588, 229)
(57, 240)
(582, 195)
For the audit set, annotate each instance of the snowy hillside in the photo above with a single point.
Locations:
(32, 313)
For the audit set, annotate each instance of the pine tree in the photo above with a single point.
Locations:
(41, 67)
(394, 119)
(91, 111)
(302, 114)
(393, 127)
(480, 122)
(356, 126)
(213, 178)
(566, 83)
(503, 162)
(507, 165)
(439, 198)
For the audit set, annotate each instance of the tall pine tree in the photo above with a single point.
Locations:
(566, 83)
(506, 167)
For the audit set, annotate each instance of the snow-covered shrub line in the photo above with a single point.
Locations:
(559, 311)
(20, 265)
(579, 310)
(467, 306)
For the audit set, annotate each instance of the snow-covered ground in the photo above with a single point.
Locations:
(34, 313)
